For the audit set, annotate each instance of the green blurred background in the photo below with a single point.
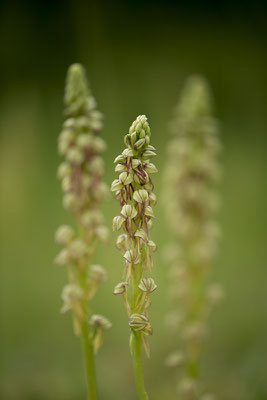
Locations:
(137, 55)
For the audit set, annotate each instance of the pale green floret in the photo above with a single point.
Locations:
(131, 257)
(120, 288)
(102, 233)
(66, 184)
(147, 285)
(125, 178)
(121, 241)
(71, 295)
(64, 170)
(141, 196)
(139, 322)
(100, 321)
(149, 212)
(69, 201)
(140, 233)
(84, 141)
(117, 222)
(98, 273)
(64, 234)
(175, 359)
(152, 245)
(116, 185)
(187, 388)
(128, 211)
(63, 257)
(77, 249)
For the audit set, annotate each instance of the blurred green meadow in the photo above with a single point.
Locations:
(137, 55)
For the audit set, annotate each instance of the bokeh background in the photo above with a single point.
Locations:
(137, 54)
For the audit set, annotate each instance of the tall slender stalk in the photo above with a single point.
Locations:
(135, 347)
(81, 174)
(88, 351)
(191, 201)
(134, 191)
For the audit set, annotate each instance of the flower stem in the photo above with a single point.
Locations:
(135, 345)
(89, 361)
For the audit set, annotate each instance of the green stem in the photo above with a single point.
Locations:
(135, 345)
(89, 361)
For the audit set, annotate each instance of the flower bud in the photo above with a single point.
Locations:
(147, 154)
(139, 144)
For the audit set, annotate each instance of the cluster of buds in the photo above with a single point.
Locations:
(191, 202)
(81, 177)
(134, 191)
(83, 168)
